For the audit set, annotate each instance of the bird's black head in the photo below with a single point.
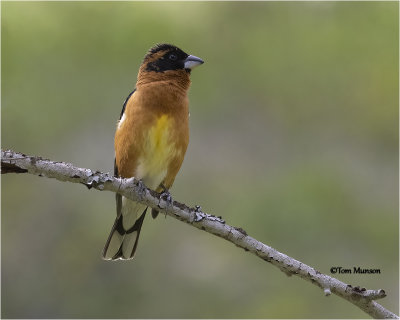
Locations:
(165, 57)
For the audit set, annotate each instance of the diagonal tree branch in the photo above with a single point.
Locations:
(14, 162)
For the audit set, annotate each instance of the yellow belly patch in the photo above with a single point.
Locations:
(158, 150)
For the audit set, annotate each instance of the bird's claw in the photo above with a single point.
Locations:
(142, 189)
(166, 196)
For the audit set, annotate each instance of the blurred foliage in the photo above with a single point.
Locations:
(294, 137)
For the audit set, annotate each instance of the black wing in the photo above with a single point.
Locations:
(120, 116)
(118, 197)
(126, 100)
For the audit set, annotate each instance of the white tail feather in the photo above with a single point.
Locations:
(122, 242)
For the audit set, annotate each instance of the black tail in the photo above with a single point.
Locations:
(121, 243)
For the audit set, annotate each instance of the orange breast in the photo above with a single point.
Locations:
(151, 138)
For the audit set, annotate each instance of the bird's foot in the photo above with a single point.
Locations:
(142, 189)
(166, 196)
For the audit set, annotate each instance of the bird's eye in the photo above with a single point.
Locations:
(173, 57)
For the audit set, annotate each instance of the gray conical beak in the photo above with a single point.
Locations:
(192, 61)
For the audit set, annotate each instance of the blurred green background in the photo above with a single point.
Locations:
(294, 137)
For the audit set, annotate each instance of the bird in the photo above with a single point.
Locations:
(151, 139)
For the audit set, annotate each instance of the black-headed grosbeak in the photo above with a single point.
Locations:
(151, 138)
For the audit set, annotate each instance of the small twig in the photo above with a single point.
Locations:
(13, 162)
(375, 294)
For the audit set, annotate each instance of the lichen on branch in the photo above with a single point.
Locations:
(14, 162)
